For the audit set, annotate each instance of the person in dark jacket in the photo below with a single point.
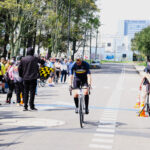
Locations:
(28, 70)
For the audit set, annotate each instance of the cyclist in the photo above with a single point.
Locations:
(80, 76)
(144, 87)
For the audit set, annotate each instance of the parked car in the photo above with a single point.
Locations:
(95, 64)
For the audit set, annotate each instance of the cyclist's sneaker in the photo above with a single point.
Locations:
(76, 110)
(86, 111)
(137, 105)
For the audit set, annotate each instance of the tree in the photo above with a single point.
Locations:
(44, 23)
(141, 42)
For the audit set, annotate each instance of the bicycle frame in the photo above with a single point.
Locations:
(81, 106)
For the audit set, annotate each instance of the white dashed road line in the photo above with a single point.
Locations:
(104, 137)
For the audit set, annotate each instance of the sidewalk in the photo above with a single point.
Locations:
(140, 69)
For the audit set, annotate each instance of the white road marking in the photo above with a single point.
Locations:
(106, 130)
(104, 135)
(100, 146)
(103, 140)
(106, 126)
(32, 122)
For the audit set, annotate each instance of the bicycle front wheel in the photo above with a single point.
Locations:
(81, 113)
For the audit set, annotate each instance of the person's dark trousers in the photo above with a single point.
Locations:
(11, 86)
(63, 75)
(29, 89)
(19, 89)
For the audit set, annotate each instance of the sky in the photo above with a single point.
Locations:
(114, 10)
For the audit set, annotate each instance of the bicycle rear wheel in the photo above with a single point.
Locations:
(42, 82)
(81, 113)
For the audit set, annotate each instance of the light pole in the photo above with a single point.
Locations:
(96, 44)
(69, 20)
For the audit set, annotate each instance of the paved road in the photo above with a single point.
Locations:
(111, 124)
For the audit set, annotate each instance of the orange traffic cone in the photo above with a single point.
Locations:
(142, 114)
(21, 99)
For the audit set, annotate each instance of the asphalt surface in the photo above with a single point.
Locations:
(111, 124)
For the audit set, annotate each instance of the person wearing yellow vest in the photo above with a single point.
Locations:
(2, 72)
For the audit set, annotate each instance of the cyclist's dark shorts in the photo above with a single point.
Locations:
(77, 83)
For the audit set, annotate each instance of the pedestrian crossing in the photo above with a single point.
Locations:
(105, 132)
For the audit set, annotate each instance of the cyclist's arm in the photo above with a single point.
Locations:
(70, 80)
(89, 79)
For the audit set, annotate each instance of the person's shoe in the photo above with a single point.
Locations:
(86, 111)
(76, 110)
(25, 109)
(8, 101)
(34, 109)
(18, 104)
(4, 92)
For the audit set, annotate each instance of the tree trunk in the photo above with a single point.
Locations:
(6, 41)
(74, 48)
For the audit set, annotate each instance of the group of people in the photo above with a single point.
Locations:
(61, 69)
(21, 75)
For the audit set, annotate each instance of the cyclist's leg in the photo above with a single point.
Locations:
(86, 96)
(76, 84)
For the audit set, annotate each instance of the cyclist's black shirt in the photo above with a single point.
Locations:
(80, 71)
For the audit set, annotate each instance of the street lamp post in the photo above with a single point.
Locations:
(90, 44)
(69, 20)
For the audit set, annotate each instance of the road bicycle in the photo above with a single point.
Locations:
(41, 82)
(81, 104)
(147, 104)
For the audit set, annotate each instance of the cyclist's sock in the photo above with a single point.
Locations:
(76, 102)
(86, 97)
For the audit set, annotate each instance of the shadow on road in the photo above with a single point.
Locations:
(9, 144)
(115, 69)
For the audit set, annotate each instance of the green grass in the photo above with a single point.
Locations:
(107, 61)
(141, 63)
